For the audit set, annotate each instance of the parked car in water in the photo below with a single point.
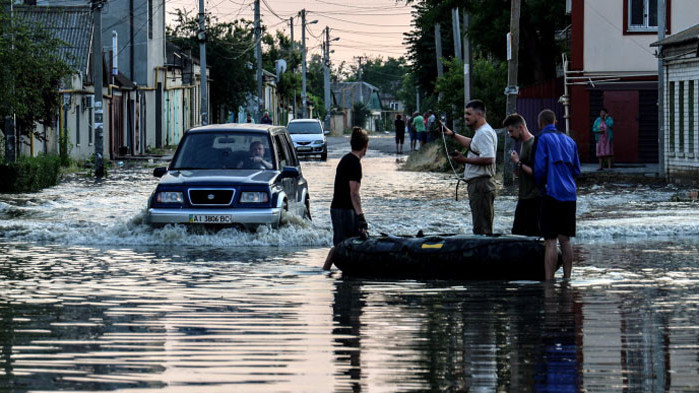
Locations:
(230, 174)
(309, 137)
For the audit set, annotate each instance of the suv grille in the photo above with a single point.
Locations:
(211, 197)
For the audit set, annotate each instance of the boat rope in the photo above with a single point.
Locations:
(458, 178)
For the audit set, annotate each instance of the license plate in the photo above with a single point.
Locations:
(304, 148)
(210, 219)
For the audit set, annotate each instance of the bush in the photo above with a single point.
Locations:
(30, 174)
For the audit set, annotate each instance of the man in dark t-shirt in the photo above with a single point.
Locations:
(346, 207)
(400, 133)
(528, 210)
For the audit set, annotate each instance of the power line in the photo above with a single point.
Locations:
(353, 22)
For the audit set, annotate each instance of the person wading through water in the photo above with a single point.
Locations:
(346, 206)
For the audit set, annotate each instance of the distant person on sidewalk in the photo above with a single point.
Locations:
(400, 133)
(346, 207)
(556, 165)
(604, 136)
(528, 210)
(249, 119)
(413, 133)
(419, 124)
(266, 119)
(479, 168)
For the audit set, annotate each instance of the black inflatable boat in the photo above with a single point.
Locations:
(458, 257)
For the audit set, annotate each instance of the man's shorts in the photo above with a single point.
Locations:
(400, 136)
(413, 135)
(557, 218)
(422, 136)
(344, 224)
(527, 217)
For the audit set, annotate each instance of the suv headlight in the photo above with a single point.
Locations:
(254, 197)
(169, 197)
(318, 142)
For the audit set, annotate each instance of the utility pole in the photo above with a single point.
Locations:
(661, 90)
(438, 48)
(201, 36)
(359, 75)
(258, 57)
(456, 29)
(97, 82)
(304, 105)
(291, 29)
(326, 77)
(512, 89)
(9, 121)
(467, 59)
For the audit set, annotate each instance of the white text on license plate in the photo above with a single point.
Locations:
(210, 219)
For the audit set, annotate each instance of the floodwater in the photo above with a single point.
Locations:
(93, 300)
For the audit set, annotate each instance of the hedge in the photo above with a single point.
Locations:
(30, 174)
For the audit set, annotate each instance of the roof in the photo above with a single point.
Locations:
(70, 24)
(688, 35)
(347, 93)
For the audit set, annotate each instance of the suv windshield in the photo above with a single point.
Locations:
(305, 127)
(235, 150)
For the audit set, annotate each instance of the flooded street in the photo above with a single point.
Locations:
(91, 299)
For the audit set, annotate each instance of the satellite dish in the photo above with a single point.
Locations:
(280, 66)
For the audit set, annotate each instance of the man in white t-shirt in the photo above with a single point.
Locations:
(479, 166)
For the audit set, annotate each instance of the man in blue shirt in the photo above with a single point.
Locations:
(556, 165)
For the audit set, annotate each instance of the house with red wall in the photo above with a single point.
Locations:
(613, 66)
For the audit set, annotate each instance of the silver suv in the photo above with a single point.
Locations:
(309, 137)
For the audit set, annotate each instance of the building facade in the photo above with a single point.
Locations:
(613, 66)
(680, 53)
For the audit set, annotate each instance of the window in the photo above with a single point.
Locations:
(77, 125)
(680, 115)
(150, 19)
(671, 117)
(690, 112)
(641, 16)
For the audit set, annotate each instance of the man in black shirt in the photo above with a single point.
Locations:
(400, 133)
(346, 207)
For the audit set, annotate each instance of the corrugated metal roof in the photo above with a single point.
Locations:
(70, 24)
(689, 35)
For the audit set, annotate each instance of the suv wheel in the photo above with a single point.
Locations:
(307, 210)
(324, 156)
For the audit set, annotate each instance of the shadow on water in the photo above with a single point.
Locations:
(488, 336)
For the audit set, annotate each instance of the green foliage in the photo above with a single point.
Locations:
(29, 174)
(386, 75)
(230, 54)
(539, 51)
(31, 73)
(360, 114)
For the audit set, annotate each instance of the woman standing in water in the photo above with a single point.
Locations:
(604, 137)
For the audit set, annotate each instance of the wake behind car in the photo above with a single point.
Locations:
(308, 137)
(230, 174)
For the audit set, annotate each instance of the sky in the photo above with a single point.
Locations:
(370, 28)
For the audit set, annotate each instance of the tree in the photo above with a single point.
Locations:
(230, 54)
(32, 72)
(386, 75)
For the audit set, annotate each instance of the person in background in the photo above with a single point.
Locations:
(479, 168)
(419, 124)
(249, 119)
(266, 119)
(413, 133)
(400, 133)
(528, 208)
(556, 165)
(346, 211)
(604, 136)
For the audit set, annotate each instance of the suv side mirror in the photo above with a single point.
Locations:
(326, 132)
(290, 171)
(159, 172)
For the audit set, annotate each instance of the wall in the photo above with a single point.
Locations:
(607, 49)
(682, 116)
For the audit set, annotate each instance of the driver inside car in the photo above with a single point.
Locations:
(256, 158)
